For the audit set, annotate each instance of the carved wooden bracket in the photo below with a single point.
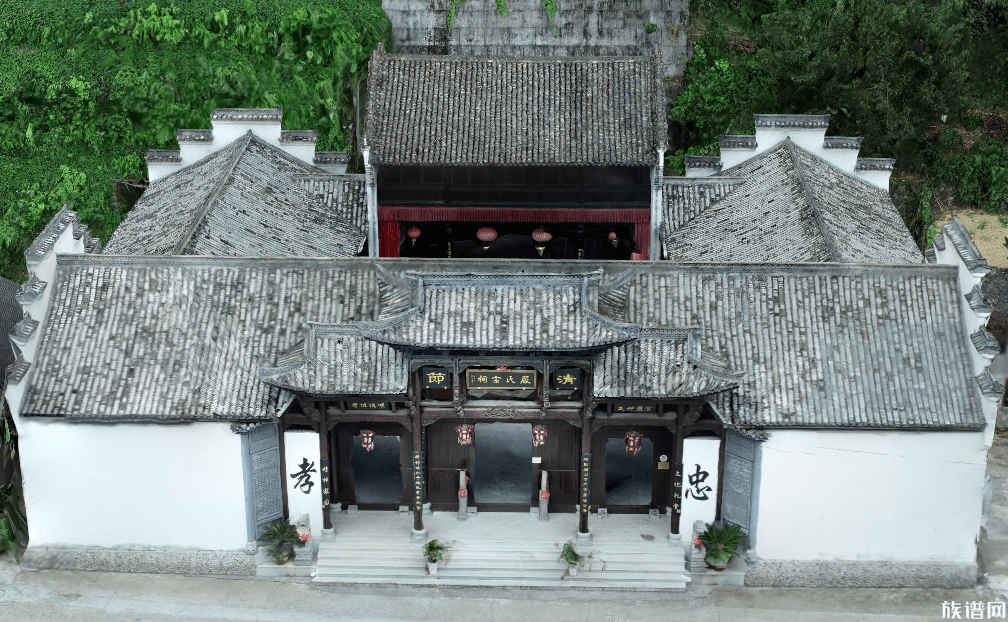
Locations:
(597, 425)
(313, 413)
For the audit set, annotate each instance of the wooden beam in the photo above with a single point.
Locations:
(323, 430)
(678, 460)
(584, 496)
(417, 444)
(721, 478)
(283, 468)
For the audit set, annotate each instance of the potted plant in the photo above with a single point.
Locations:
(281, 537)
(722, 543)
(569, 555)
(433, 551)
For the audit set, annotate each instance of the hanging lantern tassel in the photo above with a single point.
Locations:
(538, 435)
(633, 442)
(367, 439)
(465, 434)
(541, 237)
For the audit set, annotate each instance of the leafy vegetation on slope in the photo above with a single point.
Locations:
(923, 82)
(87, 85)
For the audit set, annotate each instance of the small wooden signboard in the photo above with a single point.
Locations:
(677, 489)
(418, 480)
(326, 480)
(567, 379)
(585, 482)
(522, 379)
(436, 378)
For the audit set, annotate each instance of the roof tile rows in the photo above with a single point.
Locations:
(243, 200)
(465, 110)
(180, 338)
(500, 312)
(338, 360)
(827, 345)
(659, 364)
(792, 206)
(819, 345)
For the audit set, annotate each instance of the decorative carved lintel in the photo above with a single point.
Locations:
(597, 425)
(691, 417)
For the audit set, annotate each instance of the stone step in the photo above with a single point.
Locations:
(565, 582)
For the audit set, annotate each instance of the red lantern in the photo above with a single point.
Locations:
(367, 439)
(503, 368)
(538, 435)
(487, 235)
(413, 233)
(465, 434)
(541, 236)
(612, 238)
(633, 441)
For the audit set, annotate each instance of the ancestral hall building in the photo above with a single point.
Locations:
(513, 253)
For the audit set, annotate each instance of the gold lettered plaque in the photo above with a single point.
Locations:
(522, 379)
(436, 378)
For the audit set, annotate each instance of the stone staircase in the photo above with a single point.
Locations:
(646, 566)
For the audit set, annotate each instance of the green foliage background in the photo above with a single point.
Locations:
(87, 85)
(911, 77)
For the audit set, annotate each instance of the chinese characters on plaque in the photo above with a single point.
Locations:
(436, 378)
(500, 379)
(585, 481)
(303, 476)
(634, 408)
(367, 405)
(677, 489)
(418, 480)
(568, 379)
(324, 465)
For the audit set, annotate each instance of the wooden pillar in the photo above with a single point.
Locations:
(585, 492)
(283, 468)
(388, 233)
(324, 455)
(677, 481)
(720, 483)
(418, 527)
(642, 236)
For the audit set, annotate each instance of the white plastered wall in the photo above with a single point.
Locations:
(852, 495)
(702, 452)
(809, 139)
(301, 445)
(132, 484)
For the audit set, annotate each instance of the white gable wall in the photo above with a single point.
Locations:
(151, 485)
(852, 495)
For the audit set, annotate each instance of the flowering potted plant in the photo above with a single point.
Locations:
(722, 543)
(569, 555)
(433, 551)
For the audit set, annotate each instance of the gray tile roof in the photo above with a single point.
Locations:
(517, 312)
(964, 245)
(807, 121)
(874, 164)
(793, 207)
(826, 345)
(703, 163)
(660, 363)
(843, 142)
(241, 201)
(820, 345)
(180, 338)
(344, 196)
(162, 155)
(11, 315)
(479, 110)
(266, 115)
(194, 136)
(338, 360)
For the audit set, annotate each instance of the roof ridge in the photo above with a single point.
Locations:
(812, 201)
(212, 197)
